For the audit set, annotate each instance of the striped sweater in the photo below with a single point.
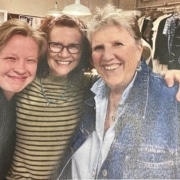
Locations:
(48, 112)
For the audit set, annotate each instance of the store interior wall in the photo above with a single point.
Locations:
(40, 7)
(151, 3)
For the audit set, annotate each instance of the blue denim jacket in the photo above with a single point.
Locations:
(147, 140)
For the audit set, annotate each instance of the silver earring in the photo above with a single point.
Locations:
(138, 68)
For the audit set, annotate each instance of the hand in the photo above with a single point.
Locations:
(170, 77)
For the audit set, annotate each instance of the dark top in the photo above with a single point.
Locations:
(174, 60)
(7, 133)
(161, 50)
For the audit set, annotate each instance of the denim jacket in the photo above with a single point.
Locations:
(147, 140)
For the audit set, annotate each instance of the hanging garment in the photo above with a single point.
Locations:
(174, 58)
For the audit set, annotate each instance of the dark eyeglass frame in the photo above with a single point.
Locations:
(60, 47)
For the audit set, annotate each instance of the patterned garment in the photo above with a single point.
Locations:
(48, 112)
(169, 30)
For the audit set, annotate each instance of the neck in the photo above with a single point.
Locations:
(114, 98)
(117, 90)
(8, 94)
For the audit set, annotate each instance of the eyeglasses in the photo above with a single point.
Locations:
(57, 47)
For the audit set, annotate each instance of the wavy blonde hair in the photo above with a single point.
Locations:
(17, 26)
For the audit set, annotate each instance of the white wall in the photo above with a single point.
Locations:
(40, 7)
(32, 7)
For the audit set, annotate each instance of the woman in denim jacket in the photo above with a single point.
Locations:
(131, 123)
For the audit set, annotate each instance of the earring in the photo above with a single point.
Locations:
(138, 68)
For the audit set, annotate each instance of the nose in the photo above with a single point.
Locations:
(64, 52)
(108, 53)
(20, 66)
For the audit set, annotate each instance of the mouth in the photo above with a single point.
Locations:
(112, 67)
(18, 79)
(66, 63)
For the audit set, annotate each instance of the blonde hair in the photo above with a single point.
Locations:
(17, 26)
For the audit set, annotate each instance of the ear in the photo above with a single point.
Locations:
(140, 49)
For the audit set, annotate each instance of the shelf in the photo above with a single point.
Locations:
(3, 16)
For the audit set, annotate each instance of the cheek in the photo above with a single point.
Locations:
(77, 57)
(6, 65)
(49, 53)
(95, 58)
(50, 56)
(50, 61)
(133, 55)
(131, 66)
(4, 69)
(32, 70)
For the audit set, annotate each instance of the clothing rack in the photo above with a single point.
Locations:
(162, 5)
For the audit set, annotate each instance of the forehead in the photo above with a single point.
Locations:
(110, 33)
(18, 42)
(64, 30)
(63, 33)
(18, 39)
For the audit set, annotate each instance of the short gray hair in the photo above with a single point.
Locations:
(110, 15)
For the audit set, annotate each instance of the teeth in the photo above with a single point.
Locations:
(63, 62)
(112, 67)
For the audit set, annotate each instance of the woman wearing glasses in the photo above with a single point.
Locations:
(49, 110)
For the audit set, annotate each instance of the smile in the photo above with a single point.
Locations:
(18, 78)
(112, 67)
(64, 62)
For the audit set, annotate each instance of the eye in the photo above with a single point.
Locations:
(10, 58)
(74, 46)
(118, 44)
(55, 44)
(32, 61)
(98, 48)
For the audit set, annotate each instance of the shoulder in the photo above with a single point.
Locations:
(32, 89)
(90, 79)
(158, 85)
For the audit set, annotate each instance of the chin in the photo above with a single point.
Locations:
(61, 75)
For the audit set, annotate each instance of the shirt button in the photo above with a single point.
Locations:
(104, 172)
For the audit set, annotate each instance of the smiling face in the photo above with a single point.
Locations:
(62, 63)
(115, 55)
(18, 64)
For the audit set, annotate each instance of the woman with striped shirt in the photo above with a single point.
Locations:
(49, 109)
